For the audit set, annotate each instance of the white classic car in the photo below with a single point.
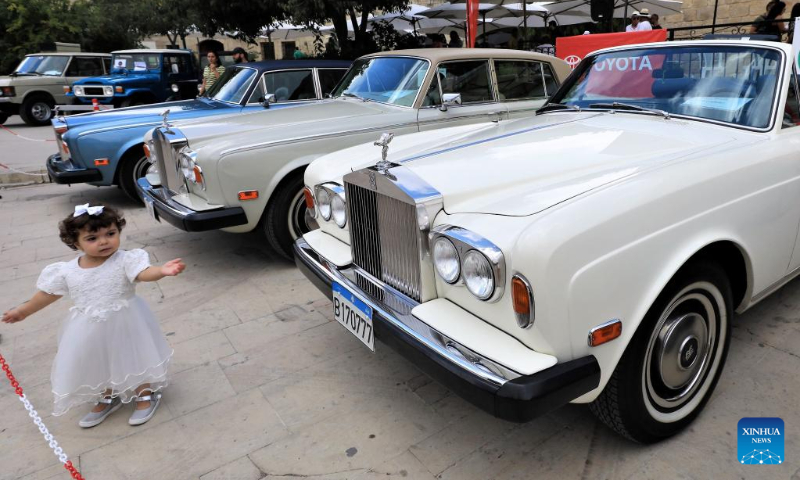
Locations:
(593, 253)
(247, 172)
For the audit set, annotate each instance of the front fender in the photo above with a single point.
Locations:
(109, 144)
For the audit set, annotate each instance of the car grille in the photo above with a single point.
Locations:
(93, 91)
(385, 239)
(165, 160)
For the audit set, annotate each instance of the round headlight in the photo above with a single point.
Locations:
(78, 90)
(445, 258)
(175, 87)
(324, 203)
(187, 167)
(478, 275)
(338, 211)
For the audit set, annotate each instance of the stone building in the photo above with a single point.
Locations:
(701, 12)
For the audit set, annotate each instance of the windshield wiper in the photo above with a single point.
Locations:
(352, 95)
(628, 106)
(558, 106)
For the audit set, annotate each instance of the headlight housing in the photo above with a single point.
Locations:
(175, 88)
(108, 91)
(190, 170)
(77, 90)
(446, 261)
(331, 203)
(462, 257)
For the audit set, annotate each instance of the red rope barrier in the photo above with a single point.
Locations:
(59, 452)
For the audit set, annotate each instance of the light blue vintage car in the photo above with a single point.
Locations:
(106, 148)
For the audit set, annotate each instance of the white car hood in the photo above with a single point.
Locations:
(530, 165)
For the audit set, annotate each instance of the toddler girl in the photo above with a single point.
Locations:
(110, 348)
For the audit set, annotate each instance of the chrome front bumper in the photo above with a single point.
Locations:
(492, 387)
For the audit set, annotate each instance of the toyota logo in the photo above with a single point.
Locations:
(572, 60)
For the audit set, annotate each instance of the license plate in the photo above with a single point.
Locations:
(354, 314)
(148, 203)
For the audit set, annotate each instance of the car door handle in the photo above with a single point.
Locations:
(496, 116)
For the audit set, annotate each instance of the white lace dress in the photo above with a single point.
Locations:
(111, 339)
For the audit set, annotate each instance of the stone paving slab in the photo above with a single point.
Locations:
(266, 385)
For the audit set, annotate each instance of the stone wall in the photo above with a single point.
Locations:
(701, 12)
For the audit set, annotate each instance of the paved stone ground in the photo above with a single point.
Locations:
(266, 385)
(25, 149)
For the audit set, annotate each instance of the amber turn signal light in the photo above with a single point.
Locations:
(248, 195)
(605, 333)
(101, 162)
(522, 301)
(146, 151)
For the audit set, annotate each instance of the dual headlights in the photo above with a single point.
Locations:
(463, 256)
(188, 167)
(331, 204)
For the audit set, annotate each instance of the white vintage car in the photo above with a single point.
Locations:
(593, 253)
(247, 172)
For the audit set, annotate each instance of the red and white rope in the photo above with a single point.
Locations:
(26, 138)
(3, 165)
(48, 437)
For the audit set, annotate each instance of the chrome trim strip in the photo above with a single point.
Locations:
(310, 138)
(457, 354)
(774, 287)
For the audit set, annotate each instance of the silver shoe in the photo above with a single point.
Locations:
(142, 416)
(91, 419)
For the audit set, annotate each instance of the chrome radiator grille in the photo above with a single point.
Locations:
(163, 150)
(385, 238)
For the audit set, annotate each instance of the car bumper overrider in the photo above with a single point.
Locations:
(185, 218)
(66, 172)
(488, 385)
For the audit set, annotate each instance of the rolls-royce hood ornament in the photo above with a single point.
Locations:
(164, 121)
(383, 142)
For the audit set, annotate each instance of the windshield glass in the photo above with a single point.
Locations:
(232, 85)
(724, 83)
(136, 62)
(43, 65)
(394, 80)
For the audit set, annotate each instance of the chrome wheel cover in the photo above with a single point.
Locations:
(297, 216)
(41, 111)
(684, 352)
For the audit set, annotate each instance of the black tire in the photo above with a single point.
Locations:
(3, 118)
(134, 101)
(134, 166)
(37, 110)
(284, 217)
(667, 374)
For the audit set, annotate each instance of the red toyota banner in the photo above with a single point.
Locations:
(472, 22)
(573, 49)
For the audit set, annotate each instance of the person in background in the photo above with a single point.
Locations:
(212, 71)
(764, 25)
(455, 41)
(634, 23)
(513, 42)
(240, 55)
(644, 21)
(654, 22)
(298, 54)
(437, 42)
(795, 14)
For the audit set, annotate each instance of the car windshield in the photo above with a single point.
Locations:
(52, 65)
(394, 80)
(723, 83)
(135, 62)
(232, 85)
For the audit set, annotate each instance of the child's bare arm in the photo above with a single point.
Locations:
(37, 302)
(169, 269)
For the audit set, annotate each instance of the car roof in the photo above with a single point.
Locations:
(153, 50)
(69, 54)
(292, 64)
(441, 54)
(697, 43)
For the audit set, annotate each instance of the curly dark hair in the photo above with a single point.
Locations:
(70, 227)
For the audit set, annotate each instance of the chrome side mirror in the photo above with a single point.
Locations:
(449, 100)
(268, 98)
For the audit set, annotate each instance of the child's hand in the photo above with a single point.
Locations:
(173, 268)
(13, 316)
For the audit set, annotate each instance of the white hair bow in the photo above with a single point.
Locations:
(85, 208)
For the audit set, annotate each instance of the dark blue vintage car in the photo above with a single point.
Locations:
(106, 148)
(139, 77)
